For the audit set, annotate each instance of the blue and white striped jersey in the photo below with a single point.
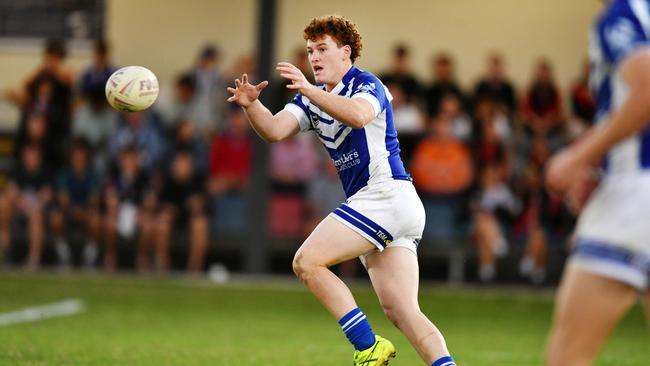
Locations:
(622, 28)
(362, 156)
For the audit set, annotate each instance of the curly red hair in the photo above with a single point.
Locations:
(342, 30)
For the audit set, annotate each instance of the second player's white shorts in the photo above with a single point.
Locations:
(388, 214)
(613, 232)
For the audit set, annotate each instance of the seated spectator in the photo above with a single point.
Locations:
(187, 137)
(29, 194)
(182, 202)
(441, 163)
(542, 103)
(77, 204)
(493, 206)
(130, 203)
(230, 162)
(293, 163)
(408, 119)
(142, 131)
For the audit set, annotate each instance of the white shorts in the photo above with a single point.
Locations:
(614, 231)
(388, 214)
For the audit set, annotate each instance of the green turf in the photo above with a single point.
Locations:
(135, 321)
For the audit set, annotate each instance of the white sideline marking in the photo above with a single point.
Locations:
(57, 309)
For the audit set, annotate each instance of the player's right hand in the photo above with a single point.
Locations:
(245, 93)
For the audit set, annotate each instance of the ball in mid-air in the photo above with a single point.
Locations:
(132, 89)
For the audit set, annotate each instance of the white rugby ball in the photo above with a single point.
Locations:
(132, 89)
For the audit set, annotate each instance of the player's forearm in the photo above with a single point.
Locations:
(262, 121)
(631, 118)
(348, 111)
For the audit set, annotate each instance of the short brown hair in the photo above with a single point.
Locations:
(342, 31)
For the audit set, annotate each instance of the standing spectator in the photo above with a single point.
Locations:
(130, 204)
(400, 73)
(542, 104)
(496, 86)
(47, 95)
(94, 120)
(443, 83)
(182, 203)
(210, 91)
(583, 104)
(77, 194)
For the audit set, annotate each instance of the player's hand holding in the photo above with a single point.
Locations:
(245, 93)
(298, 80)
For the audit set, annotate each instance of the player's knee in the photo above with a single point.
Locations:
(303, 266)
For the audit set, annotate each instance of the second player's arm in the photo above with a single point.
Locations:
(632, 117)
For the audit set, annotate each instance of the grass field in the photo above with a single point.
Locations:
(143, 321)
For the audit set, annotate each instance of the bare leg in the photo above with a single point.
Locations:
(35, 228)
(581, 324)
(330, 243)
(198, 243)
(395, 275)
(165, 222)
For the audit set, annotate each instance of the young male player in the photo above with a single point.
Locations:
(382, 220)
(610, 266)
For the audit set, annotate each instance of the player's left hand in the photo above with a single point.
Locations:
(298, 80)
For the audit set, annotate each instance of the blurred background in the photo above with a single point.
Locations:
(166, 237)
(483, 95)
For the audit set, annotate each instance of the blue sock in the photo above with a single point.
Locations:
(444, 361)
(356, 327)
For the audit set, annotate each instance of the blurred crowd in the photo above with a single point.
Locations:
(179, 172)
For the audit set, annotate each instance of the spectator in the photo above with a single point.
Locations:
(230, 168)
(183, 203)
(47, 95)
(443, 84)
(77, 195)
(583, 105)
(441, 163)
(400, 73)
(542, 106)
(408, 119)
(210, 91)
(493, 201)
(130, 204)
(94, 120)
(186, 106)
(496, 86)
(29, 194)
(293, 163)
(187, 137)
(142, 131)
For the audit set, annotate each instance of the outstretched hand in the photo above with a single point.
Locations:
(298, 81)
(245, 93)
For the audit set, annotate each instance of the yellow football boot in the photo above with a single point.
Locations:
(377, 355)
